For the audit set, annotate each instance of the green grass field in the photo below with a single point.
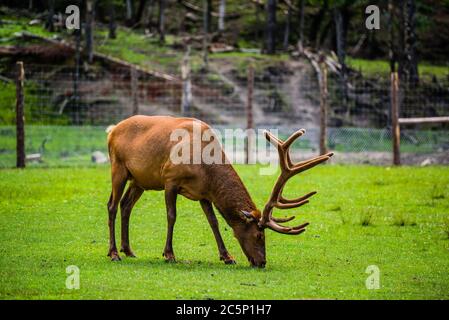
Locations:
(394, 218)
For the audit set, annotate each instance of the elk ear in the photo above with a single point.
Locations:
(246, 215)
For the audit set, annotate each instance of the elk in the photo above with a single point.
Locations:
(139, 151)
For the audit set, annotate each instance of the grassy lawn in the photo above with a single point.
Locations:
(396, 219)
(382, 67)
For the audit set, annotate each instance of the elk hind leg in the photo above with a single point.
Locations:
(127, 203)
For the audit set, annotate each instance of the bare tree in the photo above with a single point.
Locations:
(301, 26)
(271, 26)
(162, 20)
(49, 24)
(316, 23)
(112, 23)
(90, 30)
(287, 28)
(409, 60)
(206, 23)
(391, 37)
(221, 15)
(140, 10)
(129, 11)
(208, 16)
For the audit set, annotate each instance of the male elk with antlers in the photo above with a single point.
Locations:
(140, 149)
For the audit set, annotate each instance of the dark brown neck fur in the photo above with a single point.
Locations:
(228, 193)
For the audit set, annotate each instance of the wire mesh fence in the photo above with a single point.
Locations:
(67, 110)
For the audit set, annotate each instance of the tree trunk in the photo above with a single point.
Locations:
(340, 37)
(162, 21)
(410, 69)
(139, 12)
(208, 16)
(221, 15)
(206, 22)
(76, 77)
(112, 24)
(287, 28)
(257, 32)
(391, 49)
(147, 15)
(301, 26)
(90, 30)
(51, 12)
(271, 26)
(316, 23)
(129, 11)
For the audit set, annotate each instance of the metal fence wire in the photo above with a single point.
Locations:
(67, 112)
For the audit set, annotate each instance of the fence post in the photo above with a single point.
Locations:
(395, 127)
(20, 117)
(323, 105)
(249, 145)
(134, 91)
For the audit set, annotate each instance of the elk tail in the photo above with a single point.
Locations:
(110, 128)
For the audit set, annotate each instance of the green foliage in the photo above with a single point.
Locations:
(8, 103)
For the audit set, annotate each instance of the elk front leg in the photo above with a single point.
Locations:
(213, 222)
(126, 205)
(171, 194)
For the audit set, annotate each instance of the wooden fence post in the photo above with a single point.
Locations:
(134, 91)
(395, 127)
(323, 105)
(20, 117)
(249, 145)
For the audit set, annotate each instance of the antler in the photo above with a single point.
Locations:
(288, 170)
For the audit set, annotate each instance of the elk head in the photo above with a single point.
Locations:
(251, 234)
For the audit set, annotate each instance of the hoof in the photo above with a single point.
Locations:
(114, 256)
(228, 260)
(128, 252)
(169, 257)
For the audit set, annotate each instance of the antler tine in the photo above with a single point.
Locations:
(287, 230)
(283, 147)
(310, 164)
(293, 137)
(283, 200)
(281, 220)
(272, 139)
(329, 154)
(290, 205)
(288, 170)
